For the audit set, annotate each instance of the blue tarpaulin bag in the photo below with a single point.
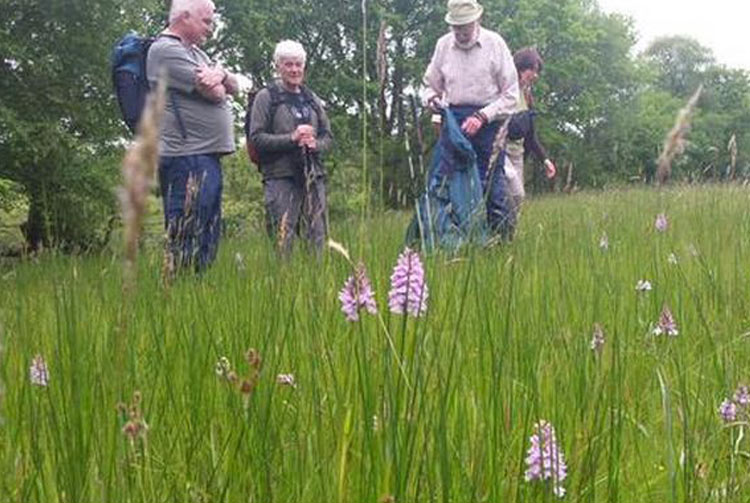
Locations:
(130, 79)
(451, 211)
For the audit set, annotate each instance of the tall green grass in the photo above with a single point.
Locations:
(392, 408)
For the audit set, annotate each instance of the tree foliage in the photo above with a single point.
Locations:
(57, 116)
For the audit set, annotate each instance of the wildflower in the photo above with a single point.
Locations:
(643, 285)
(667, 324)
(742, 395)
(357, 294)
(223, 367)
(728, 411)
(286, 380)
(38, 374)
(604, 242)
(661, 223)
(672, 259)
(597, 340)
(239, 261)
(408, 289)
(544, 460)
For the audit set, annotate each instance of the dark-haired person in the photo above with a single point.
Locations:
(522, 134)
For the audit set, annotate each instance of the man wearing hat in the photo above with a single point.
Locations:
(472, 72)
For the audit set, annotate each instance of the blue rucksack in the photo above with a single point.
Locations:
(129, 76)
(131, 81)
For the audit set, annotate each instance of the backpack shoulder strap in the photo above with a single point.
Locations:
(310, 99)
(277, 95)
(251, 94)
(170, 92)
(277, 98)
(313, 102)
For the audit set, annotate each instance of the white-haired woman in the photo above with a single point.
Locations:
(290, 131)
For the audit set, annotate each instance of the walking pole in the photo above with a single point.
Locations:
(310, 176)
(412, 174)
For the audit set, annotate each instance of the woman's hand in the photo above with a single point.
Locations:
(550, 168)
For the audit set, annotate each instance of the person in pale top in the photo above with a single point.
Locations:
(473, 75)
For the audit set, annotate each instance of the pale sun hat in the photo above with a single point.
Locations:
(463, 12)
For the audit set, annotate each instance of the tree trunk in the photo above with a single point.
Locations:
(35, 228)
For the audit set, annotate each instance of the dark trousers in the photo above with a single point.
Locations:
(293, 203)
(191, 188)
(500, 217)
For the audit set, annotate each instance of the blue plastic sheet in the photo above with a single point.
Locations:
(451, 211)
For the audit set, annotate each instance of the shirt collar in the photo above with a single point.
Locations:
(477, 42)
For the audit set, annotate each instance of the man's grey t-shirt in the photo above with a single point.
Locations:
(209, 125)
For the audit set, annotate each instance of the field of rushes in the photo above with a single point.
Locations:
(393, 408)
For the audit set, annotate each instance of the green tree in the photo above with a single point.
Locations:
(680, 62)
(57, 115)
(588, 74)
(678, 65)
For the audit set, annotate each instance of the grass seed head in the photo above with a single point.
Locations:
(168, 264)
(253, 358)
(138, 170)
(674, 143)
(338, 247)
(135, 426)
(247, 386)
(281, 242)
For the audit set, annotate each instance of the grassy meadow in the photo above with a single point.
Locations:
(138, 406)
